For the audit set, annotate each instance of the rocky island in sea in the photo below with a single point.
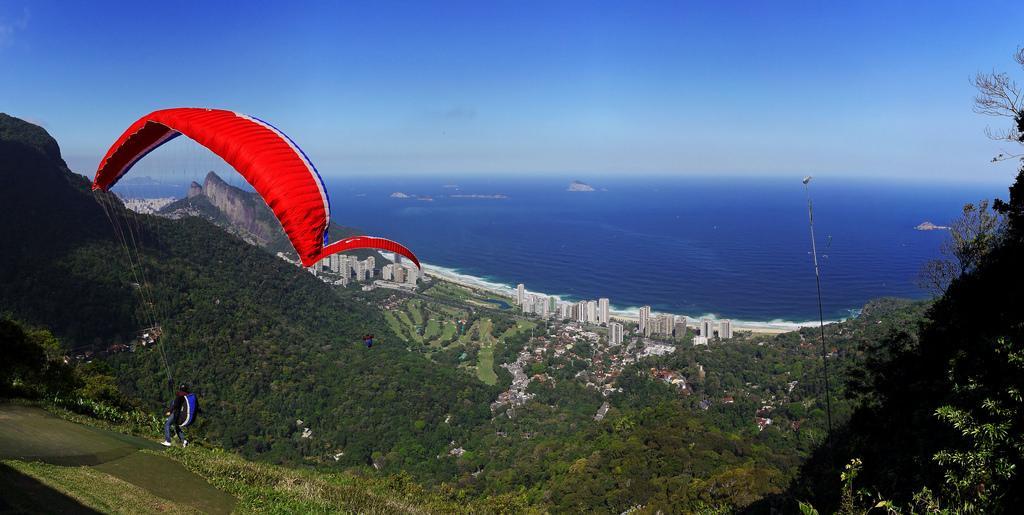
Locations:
(928, 226)
(399, 194)
(580, 186)
(477, 196)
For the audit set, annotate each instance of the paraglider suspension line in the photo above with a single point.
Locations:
(138, 273)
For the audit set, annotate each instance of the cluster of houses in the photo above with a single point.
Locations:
(516, 394)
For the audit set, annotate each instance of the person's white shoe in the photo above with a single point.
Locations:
(184, 443)
(165, 443)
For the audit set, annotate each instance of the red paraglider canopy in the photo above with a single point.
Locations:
(369, 242)
(271, 162)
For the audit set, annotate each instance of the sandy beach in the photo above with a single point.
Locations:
(506, 292)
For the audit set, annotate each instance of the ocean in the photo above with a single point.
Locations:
(734, 248)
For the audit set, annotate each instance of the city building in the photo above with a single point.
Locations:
(398, 273)
(680, 327)
(580, 311)
(520, 292)
(725, 329)
(565, 311)
(387, 273)
(700, 340)
(603, 310)
(541, 306)
(334, 263)
(663, 324)
(645, 315)
(705, 328)
(592, 311)
(614, 333)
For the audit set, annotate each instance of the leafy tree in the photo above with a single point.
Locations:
(971, 237)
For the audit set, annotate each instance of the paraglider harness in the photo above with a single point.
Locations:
(184, 408)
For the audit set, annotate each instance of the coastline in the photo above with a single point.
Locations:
(628, 315)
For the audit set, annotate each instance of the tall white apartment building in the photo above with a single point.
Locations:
(542, 305)
(527, 304)
(663, 324)
(603, 310)
(592, 311)
(565, 311)
(725, 329)
(387, 272)
(645, 316)
(614, 333)
(705, 328)
(520, 292)
(680, 327)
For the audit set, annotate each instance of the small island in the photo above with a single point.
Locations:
(496, 196)
(580, 186)
(928, 226)
(401, 195)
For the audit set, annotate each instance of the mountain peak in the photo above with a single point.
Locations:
(18, 131)
(213, 179)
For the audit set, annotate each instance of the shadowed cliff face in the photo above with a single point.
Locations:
(245, 211)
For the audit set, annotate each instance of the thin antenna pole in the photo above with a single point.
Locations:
(821, 315)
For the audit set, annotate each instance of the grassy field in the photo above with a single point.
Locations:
(36, 487)
(433, 330)
(521, 326)
(395, 325)
(435, 325)
(485, 358)
(411, 328)
(69, 489)
(485, 366)
(414, 310)
(448, 333)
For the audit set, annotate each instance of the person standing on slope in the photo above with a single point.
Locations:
(174, 417)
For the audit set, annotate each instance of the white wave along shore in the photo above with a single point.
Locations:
(631, 313)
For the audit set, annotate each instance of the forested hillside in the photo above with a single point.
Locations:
(264, 342)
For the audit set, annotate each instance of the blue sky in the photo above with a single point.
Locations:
(580, 88)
